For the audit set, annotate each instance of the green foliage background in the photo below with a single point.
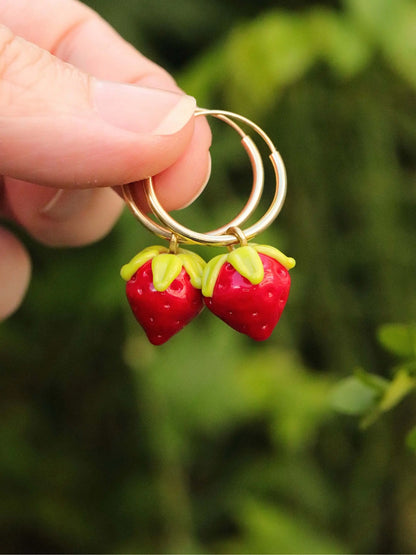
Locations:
(214, 443)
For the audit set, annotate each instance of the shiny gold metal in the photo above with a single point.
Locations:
(222, 235)
(173, 244)
(239, 236)
(165, 232)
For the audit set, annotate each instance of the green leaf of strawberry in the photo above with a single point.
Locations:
(248, 288)
(163, 290)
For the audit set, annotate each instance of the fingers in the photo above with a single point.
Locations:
(14, 273)
(169, 183)
(79, 36)
(62, 217)
(77, 217)
(66, 217)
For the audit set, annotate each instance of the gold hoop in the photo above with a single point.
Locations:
(252, 203)
(220, 237)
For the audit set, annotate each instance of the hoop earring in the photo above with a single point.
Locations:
(247, 288)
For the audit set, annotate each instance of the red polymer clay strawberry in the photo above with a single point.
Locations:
(248, 288)
(164, 290)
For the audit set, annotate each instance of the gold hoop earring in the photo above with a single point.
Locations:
(185, 235)
(247, 288)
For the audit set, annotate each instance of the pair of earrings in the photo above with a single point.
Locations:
(247, 287)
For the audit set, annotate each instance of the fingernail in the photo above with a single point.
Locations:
(142, 109)
(64, 204)
(204, 184)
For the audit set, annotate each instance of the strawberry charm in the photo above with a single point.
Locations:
(164, 290)
(248, 288)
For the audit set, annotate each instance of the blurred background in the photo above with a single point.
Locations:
(212, 442)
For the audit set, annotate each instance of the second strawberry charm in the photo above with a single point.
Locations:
(164, 290)
(248, 288)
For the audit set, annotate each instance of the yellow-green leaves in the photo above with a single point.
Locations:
(165, 269)
(141, 258)
(209, 278)
(194, 265)
(246, 261)
(284, 260)
(166, 266)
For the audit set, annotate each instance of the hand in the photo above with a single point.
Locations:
(72, 126)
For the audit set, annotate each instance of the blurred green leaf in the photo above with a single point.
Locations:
(377, 383)
(271, 52)
(376, 16)
(353, 396)
(411, 439)
(338, 42)
(400, 386)
(274, 51)
(369, 396)
(399, 339)
(391, 25)
(269, 528)
(275, 381)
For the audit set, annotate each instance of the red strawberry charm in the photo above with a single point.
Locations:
(248, 288)
(164, 290)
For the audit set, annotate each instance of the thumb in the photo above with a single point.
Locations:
(62, 127)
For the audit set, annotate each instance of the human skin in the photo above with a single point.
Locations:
(81, 112)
